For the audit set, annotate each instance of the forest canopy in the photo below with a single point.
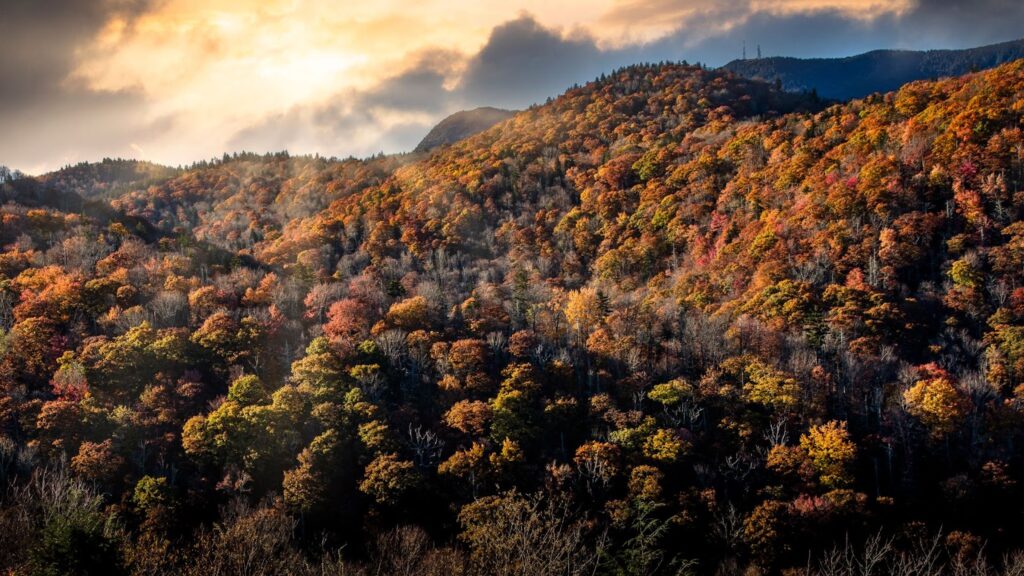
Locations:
(671, 322)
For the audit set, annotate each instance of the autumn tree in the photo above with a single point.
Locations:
(387, 479)
(831, 452)
(936, 401)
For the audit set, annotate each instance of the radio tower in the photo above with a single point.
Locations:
(744, 49)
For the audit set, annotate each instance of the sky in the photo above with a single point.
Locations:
(175, 81)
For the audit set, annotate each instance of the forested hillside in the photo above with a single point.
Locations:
(672, 322)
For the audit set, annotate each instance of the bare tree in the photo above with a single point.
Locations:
(248, 542)
(393, 345)
(425, 445)
(169, 307)
(513, 535)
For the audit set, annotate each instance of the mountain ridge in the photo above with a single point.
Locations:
(874, 71)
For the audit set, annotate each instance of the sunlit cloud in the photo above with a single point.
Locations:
(632, 21)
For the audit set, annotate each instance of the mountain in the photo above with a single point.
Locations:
(668, 300)
(461, 125)
(876, 71)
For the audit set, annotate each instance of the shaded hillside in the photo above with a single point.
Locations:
(674, 320)
(462, 125)
(108, 179)
(876, 71)
(46, 194)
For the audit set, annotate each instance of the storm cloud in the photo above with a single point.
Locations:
(523, 63)
(46, 115)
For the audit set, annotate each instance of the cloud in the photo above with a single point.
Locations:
(524, 62)
(960, 23)
(38, 39)
(391, 115)
(521, 63)
(819, 34)
(46, 115)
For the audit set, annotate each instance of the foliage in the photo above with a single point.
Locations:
(671, 315)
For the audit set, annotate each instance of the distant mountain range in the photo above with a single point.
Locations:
(462, 125)
(875, 71)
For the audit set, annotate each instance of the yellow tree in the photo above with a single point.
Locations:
(410, 314)
(469, 465)
(583, 311)
(664, 446)
(936, 401)
(387, 478)
(830, 452)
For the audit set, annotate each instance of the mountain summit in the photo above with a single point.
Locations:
(462, 125)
